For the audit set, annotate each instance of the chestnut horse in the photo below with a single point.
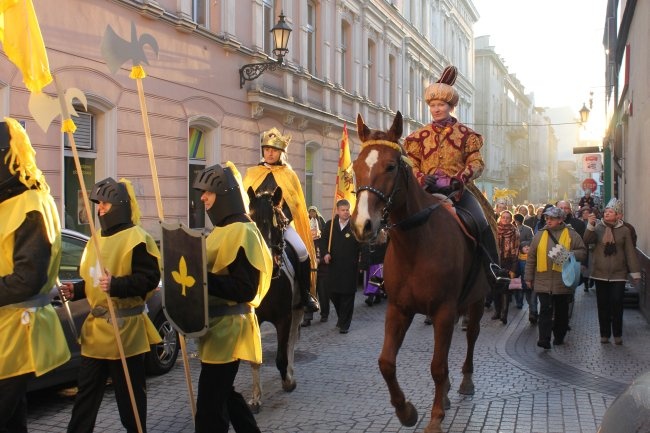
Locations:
(281, 305)
(431, 267)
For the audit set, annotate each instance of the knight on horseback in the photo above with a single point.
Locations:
(446, 159)
(273, 171)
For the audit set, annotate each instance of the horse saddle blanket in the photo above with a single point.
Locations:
(467, 224)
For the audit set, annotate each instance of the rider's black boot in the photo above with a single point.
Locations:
(303, 274)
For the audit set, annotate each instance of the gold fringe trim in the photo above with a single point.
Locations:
(68, 126)
(137, 72)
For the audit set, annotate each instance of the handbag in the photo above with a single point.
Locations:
(571, 275)
(515, 284)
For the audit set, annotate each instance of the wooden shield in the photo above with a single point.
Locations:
(185, 282)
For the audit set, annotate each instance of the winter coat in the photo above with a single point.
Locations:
(616, 266)
(550, 281)
(343, 267)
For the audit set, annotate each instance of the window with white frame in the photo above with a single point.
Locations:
(346, 63)
(75, 215)
(390, 96)
(269, 22)
(371, 77)
(197, 163)
(311, 37)
(200, 12)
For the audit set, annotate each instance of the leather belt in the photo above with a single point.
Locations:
(229, 310)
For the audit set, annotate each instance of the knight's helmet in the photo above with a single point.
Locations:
(221, 181)
(115, 193)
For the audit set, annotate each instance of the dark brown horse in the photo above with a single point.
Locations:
(279, 305)
(431, 266)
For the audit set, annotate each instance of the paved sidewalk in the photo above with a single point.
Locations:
(519, 387)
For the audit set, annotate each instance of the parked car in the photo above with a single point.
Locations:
(160, 360)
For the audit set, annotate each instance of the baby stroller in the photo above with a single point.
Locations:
(374, 288)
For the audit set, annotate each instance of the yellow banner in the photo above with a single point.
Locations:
(23, 44)
(345, 179)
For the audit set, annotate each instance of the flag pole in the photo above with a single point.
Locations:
(338, 179)
(137, 73)
(67, 125)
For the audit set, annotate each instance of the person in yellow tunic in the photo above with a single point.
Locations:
(446, 159)
(274, 171)
(131, 262)
(31, 338)
(239, 274)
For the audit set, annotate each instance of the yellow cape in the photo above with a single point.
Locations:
(286, 179)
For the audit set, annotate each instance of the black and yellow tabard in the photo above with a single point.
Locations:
(235, 336)
(97, 335)
(27, 327)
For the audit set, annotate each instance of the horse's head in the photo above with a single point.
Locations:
(377, 175)
(265, 210)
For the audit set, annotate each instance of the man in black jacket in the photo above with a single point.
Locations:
(342, 257)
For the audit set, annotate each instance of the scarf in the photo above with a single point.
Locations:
(608, 239)
(542, 249)
(508, 240)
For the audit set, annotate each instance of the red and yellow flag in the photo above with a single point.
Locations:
(23, 44)
(345, 178)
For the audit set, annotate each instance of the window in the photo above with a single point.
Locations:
(269, 22)
(309, 175)
(200, 12)
(390, 97)
(197, 162)
(311, 37)
(76, 217)
(345, 53)
(84, 135)
(411, 94)
(371, 74)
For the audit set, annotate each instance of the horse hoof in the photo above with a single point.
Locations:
(433, 427)
(447, 403)
(466, 389)
(408, 416)
(289, 386)
(254, 407)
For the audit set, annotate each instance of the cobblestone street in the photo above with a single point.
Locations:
(519, 387)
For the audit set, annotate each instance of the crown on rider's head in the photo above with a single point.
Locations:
(442, 89)
(273, 138)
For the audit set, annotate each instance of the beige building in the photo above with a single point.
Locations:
(345, 57)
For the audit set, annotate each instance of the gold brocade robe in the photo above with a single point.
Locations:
(137, 332)
(235, 336)
(31, 339)
(292, 193)
(453, 150)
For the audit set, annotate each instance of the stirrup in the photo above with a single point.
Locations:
(496, 271)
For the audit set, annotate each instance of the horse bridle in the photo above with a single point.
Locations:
(412, 220)
(387, 199)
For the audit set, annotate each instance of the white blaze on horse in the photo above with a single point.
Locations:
(431, 267)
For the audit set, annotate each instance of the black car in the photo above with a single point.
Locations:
(160, 360)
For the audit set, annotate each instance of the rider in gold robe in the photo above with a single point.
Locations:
(31, 336)
(446, 159)
(274, 171)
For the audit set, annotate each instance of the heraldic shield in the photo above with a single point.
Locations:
(184, 275)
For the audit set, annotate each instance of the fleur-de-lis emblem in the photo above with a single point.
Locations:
(181, 277)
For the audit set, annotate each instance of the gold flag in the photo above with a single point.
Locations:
(22, 42)
(345, 179)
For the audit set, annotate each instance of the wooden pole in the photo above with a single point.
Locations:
(65, 116)
(159, 206)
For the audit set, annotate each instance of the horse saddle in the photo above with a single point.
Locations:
(463, 217)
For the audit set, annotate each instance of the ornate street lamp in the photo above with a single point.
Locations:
(281, 32)
(584, 113)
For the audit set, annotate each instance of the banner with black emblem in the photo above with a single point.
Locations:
(184, 275)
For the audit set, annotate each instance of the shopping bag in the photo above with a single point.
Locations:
(571, 272)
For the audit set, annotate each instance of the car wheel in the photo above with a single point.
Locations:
(163, 355)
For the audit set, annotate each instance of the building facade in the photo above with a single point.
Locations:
(345, 57)
(625, 150)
